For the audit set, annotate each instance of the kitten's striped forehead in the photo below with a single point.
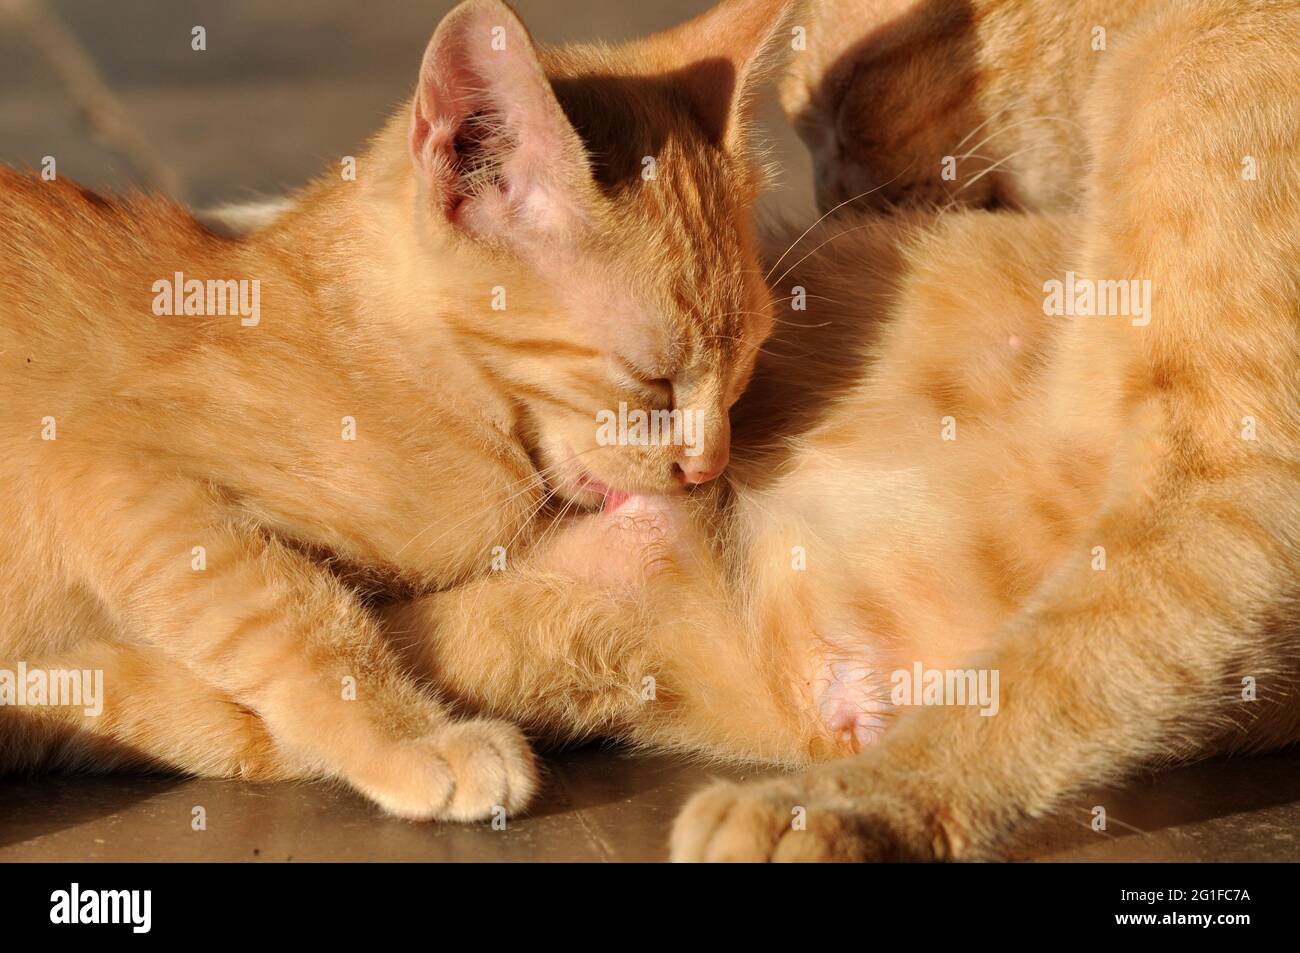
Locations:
(679, 201)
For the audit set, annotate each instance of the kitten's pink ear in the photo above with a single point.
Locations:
(488, 137)
(726, 55)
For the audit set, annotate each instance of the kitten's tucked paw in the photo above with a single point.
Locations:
(465, 771)
(783, 821)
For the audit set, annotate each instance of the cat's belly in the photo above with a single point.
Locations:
(837, 682)
(619, 546)
(866, 631)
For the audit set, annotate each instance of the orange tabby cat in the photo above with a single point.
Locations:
(208, 443)
(940, 102)
(938, 471)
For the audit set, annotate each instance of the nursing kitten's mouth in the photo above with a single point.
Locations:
(599, 495)
(578, 485)
(610, 498)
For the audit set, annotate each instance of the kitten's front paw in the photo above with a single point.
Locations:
(787, 821)
(464, 771)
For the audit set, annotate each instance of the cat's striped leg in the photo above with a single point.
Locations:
(571, 660)
(614, 630)
(133, 708)
(266, 627)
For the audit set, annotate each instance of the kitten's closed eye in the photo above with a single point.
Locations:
(656, 386)
(662, 388)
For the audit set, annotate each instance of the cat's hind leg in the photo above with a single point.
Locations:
(615, 627)
(1140, 664)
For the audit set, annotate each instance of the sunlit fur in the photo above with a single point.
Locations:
(683, 623)
(180, 432)
(1072, 434)
(889, 88)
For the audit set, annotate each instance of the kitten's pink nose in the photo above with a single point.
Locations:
(702, 469)
(707, 447)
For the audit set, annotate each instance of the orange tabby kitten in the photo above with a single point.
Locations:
(944, 469)
(207, 442)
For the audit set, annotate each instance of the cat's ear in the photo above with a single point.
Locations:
(725, 57)
(489, 140)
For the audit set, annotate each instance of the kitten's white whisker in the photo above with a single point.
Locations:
(995, 165)
(539, 544)
(823, 218)
(856, 228)
(988, 119)
(537, 476)
(1019, 122)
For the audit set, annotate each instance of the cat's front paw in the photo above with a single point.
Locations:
(464, 771)
(792, 821)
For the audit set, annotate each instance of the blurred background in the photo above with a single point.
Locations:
(115, 93)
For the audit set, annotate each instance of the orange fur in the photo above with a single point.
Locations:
(1107, 670)
(684, 623)
(888, 89)
(1071, 434)
(131, 440)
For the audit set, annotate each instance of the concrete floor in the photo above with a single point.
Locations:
(601, 805)
(284, 88)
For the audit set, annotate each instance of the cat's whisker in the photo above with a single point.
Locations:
(856, 228)
(1021, 122)
(537, 476)
(756, 347)
(541, 542)
(526, 523)
(953, 203)
(991, 116)
(776, 264)
(554, 527)
(995, 165)
(807, 327)
(795, 324)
